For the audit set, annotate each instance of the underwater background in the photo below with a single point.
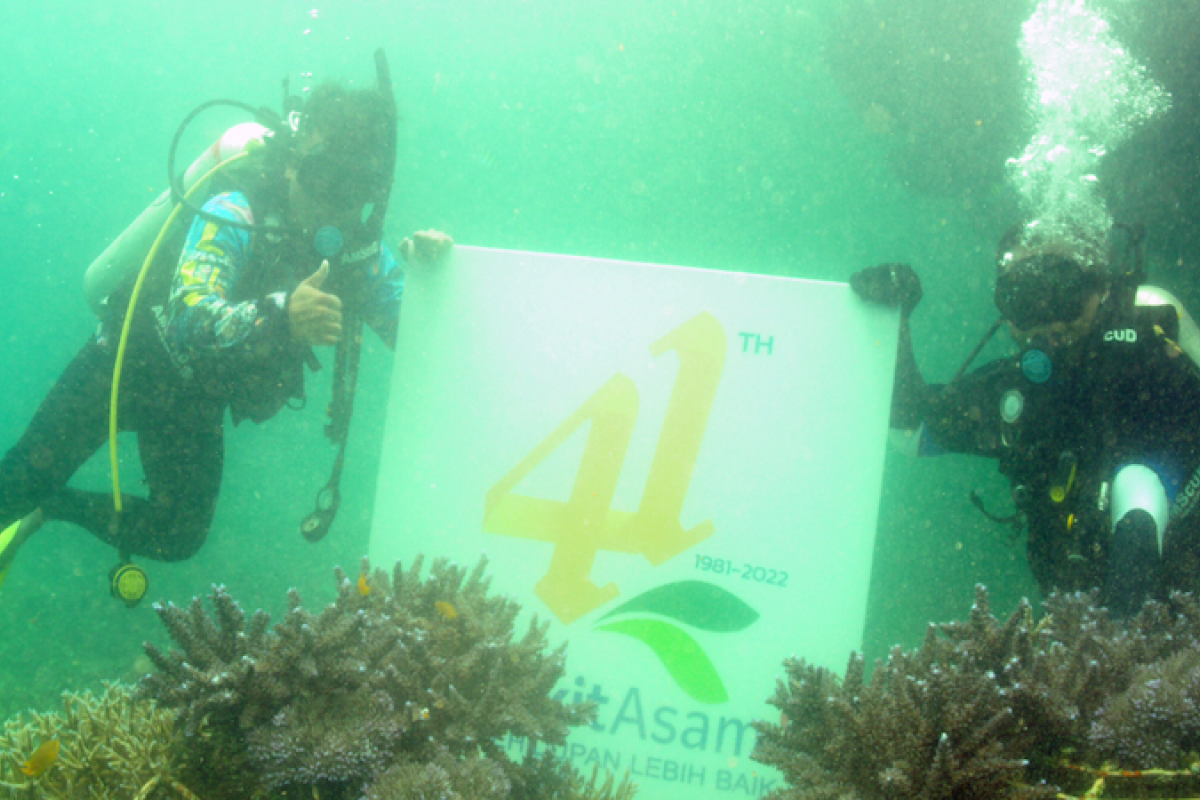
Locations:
(805, 139)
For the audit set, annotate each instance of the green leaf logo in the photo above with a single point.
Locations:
(685, 660)
(702, 605)
(695, 603)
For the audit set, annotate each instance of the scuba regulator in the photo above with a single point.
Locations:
(128, 582)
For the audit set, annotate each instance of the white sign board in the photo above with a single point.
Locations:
(680, 467)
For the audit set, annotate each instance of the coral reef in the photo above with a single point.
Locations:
(542, 777)
(399, 688)
(442, 775)
(111, 746)
(930, 724)
(1157, 720)
(991, 709)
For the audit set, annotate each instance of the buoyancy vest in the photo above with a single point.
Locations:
(1063, 437)
(255, 379)
(1060, 424)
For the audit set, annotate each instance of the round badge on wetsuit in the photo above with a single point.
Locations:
(1036, 366)
(1011, 406)
(329, 241)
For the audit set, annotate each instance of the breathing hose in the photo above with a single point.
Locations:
(128, 324)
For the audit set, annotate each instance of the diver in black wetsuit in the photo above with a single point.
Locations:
(1096, 422)
(285, 255)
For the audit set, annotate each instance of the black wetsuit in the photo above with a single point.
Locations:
(1125, 395)
(178, 415)
(180, 439)
(176, 399)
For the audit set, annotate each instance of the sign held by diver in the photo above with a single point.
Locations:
(679, 467)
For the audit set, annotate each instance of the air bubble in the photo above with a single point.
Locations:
(1088, 95)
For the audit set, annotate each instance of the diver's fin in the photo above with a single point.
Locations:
(15, 535)
(8, 541)
(7, 538)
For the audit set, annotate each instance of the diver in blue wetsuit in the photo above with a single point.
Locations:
(1095, 422)
(285, 255)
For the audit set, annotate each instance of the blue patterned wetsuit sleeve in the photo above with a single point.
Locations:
(382, 313)
(201, 319)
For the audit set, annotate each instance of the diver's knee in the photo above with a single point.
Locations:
(1134, 563)
(180, 545)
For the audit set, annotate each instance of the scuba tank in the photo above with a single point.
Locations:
(127, 252)
(1189, 333)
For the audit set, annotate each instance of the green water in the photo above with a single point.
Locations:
(806, 139)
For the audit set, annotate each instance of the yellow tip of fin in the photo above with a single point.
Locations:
(6, 538)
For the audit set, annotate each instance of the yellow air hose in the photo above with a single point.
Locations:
(133, 299)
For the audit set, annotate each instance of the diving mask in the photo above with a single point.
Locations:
(1044, 289)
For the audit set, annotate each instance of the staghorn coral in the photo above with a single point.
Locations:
(329, 739)
(443, 776)
(400, 683)
(939, 735)
(1087, 660)
(544, 777)
(537, 778)
(984, 706)
(111, 746)
(1156, 721)
(932, 723)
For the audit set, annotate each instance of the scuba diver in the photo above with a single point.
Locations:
(284, 255)
(1095, 423)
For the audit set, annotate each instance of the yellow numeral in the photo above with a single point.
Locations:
(587, 523)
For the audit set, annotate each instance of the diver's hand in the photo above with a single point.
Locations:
(426, 247)
(895, 285)
(315, 317)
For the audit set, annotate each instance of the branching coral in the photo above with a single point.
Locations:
(1120, 681)
(933, 723)
(983, 705)
(331, 739)
(544, 777)
(940, 735)
(110, 746)
(1157, 720)
(442, 775)
(537, 778)
(400, 683)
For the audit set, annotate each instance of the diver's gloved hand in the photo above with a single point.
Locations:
(426, 247)
(314, 316)
(895, 285)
